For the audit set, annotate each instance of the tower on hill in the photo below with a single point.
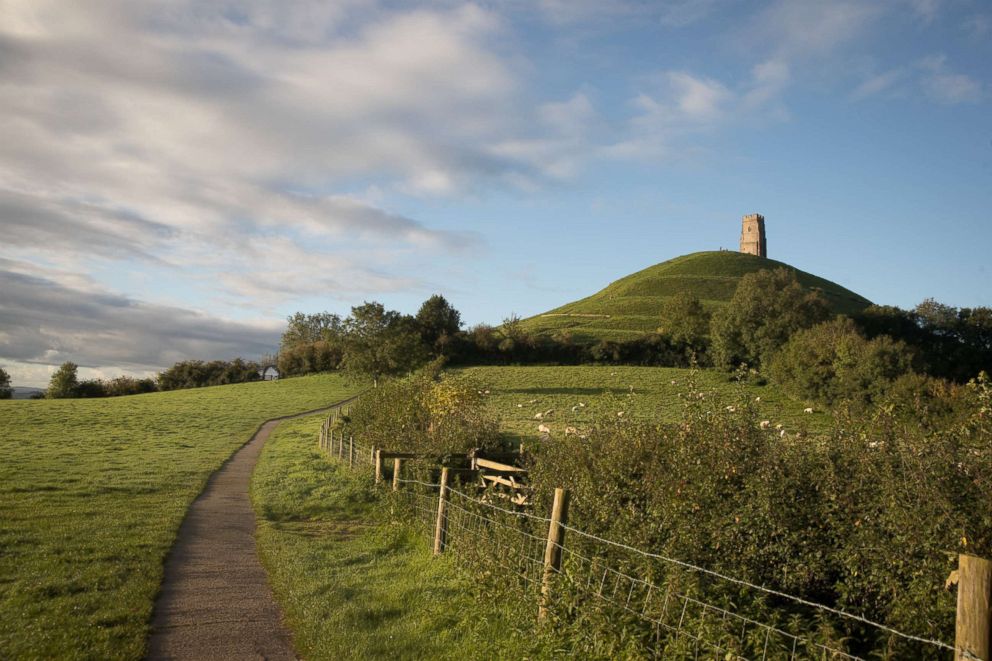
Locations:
(753, 235)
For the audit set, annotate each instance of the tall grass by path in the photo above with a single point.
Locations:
(92, 493)
(352, 583)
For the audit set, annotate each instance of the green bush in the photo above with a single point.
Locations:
(765, 311)
(833, 361)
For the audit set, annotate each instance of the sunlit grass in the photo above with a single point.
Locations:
(517, 394)
(92, 493)
(352, 583)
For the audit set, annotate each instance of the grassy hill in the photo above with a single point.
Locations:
(631, 306)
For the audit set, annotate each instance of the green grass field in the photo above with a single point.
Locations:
(652, 393)
(92, 493)
(631, 306)
(353, 584)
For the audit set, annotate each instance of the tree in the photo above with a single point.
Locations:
(380, 342)
(767, 308)
(308, 328)
(64, 382)
(833, 361)
(6, 392)
(438, 322)
(685, 320)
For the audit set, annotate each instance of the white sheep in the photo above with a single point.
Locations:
(808, 409)
(582, 405)
(544, 429)
(620, 414)
(574, 409)
(765, 424)
(549, 412)
(731, 409)
(782, 433)
(571, 431)
(778, 426)
(520, 406)
(538, 416)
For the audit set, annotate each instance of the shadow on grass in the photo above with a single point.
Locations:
(568, 391)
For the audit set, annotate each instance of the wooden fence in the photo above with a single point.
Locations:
(500, 481)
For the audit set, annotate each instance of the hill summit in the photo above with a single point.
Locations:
(632, 305)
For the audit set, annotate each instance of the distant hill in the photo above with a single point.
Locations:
(632, 305)
(25, 392)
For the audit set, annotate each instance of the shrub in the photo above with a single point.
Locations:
(6, 392)
(833, 361)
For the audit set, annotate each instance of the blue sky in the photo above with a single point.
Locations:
(177, 177)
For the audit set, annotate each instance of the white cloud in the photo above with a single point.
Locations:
(946, 86)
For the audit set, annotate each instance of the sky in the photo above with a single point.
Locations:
(177, 177)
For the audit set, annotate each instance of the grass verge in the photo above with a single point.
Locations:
(92, 493)
(351, 583)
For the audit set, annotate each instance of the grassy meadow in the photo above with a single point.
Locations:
(354, 584)
(92, 493)
(517, 394)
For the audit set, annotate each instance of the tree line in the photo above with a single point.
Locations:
(772, 326)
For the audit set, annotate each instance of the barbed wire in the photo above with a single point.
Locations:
(464, 521)
(761, 588)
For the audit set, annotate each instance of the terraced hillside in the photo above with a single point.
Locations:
(631, 306)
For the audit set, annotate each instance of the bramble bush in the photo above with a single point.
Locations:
(867, 518)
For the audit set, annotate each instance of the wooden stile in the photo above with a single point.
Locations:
(552, 551)
(441, 528)
(973, 635)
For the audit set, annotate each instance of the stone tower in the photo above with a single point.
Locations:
(753, 235)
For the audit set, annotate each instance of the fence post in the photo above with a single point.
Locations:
(396, 474)
(973, 636)
(351, 451)
(378, 466)
(552, 551)
(441, 529)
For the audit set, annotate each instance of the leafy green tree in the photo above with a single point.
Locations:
(833, 361)
(767, 308)
(64, 382)
(6, 392)
(308, 328)
(685, 320)
(381, 342)
(438, 322)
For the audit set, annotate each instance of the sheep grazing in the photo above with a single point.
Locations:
(544, 429)
(778, 426)
(574, 409)
(538, 416)
(782, 433)
(620, 414)
(571, 431)
(731, 408)
(582, 405)
(808, 410)
(485, 392)
(765, 424)
(520, 406)
(549, 412)
(757, 399)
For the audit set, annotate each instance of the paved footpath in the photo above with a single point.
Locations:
(215, 601)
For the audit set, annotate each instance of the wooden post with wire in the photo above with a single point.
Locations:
(351, 451)
(396, 474)
(552, 551)
(378, 465)
(973, 630)
(341, 446)
(441, 528)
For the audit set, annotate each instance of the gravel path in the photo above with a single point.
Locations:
(215, 601)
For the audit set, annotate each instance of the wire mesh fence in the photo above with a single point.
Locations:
(664, 607)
